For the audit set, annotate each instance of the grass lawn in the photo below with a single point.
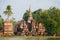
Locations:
(29, 36)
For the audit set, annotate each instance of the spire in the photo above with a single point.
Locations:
(30, 15)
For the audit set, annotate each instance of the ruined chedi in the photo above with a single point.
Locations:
(8, 27)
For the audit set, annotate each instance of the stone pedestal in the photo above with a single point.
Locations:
(8, 27)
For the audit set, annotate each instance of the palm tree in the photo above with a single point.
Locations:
(8, 11)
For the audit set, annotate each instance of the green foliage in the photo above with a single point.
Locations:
(8, 11)
(13, 21)
(50, 18)
(1, 22)
(25, 16)
(8, 7)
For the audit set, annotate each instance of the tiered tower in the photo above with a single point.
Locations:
(8, 27)
(30, 18)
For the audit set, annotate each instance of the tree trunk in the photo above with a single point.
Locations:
(8, 16)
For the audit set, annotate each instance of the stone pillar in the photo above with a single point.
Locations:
(25, 29)
(8, 27)
(41, 29)
(33, 28)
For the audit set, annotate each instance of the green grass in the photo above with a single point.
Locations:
(29, 36)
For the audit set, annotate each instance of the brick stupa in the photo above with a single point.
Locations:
(8, 27)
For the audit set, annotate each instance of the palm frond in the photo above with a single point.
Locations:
(5, 12)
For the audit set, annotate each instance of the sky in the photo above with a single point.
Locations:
(19, 7)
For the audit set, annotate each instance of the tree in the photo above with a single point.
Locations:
(36, 15)
(25, 16)
(8, 11)
(13, 21)
(50, 18)
(54, 14)
(1, 22)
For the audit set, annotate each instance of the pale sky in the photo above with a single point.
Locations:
(20, 6)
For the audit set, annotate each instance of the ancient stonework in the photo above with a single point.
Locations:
(8, 27)
(30, 27)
